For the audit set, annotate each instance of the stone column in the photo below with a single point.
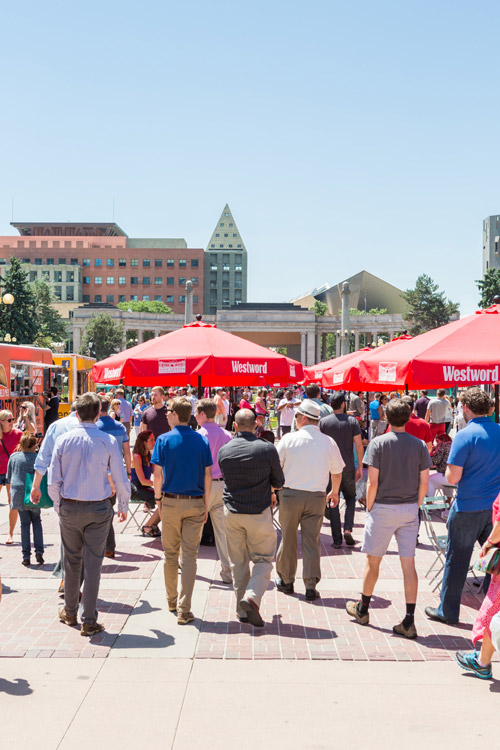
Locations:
(317, 358)
(337, 345)
(391, 335)
(323, 347)
(140, 336)
(311, 349)
(375, 337)
(303, 348)
(356, 341)
(77, 338)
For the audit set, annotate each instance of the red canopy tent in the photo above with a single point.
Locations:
(346, 375)
(465, 352)
(314, 373)
(198, 354)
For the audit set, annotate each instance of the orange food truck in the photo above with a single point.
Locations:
(25, 373)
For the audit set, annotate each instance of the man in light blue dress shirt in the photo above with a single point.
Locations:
(79, 486)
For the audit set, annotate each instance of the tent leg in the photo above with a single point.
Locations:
(406, 389)
(497, 402)
(200, 391)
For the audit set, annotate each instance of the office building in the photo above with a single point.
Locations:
(225, 266)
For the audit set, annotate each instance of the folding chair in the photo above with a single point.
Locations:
(135, 507)
(438, 541)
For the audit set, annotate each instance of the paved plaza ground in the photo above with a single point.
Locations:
(309, 679)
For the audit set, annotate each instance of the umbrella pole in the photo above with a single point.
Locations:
(497, 401)
(200, 392)
(406, 389)
(368, 413)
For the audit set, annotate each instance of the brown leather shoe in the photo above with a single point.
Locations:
(410, 632)
(66, 618)
(253, 613)
(88, 629)
(110, 554)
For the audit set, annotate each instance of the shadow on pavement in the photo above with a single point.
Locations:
(129, 640)
(15, 687)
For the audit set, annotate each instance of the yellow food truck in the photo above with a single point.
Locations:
(72, 378)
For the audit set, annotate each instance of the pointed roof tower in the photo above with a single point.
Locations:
(226, 235)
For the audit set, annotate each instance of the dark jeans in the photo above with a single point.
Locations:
(31, 518)
(465, 528)
(110, 541)
(348, 490)
(285, 429)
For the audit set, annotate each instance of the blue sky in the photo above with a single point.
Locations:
(343, 136)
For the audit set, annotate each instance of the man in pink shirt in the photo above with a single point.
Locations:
(205, 412)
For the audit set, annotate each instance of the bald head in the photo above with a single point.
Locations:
(245, 420)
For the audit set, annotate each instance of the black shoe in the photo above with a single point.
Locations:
(242, 619)
(349, 540)
(253, 613)
(432, 614)
(312, 594)
(337, 545)
(39, 559)
(26, 562)
(285, 588)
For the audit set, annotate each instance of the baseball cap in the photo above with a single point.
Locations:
(309, 409)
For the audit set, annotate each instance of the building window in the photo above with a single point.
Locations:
(158, 262)
(26, 260)
(110, 299)
(217, 235)
(170, 297)
(98, 298)
(50, 261)
(122, 280)
(170, 263)
(230, 223)
(134, 262)
(32, 275)
(239, 245)
(194, 279)
(70, 276)
(221, 245)
(158, 280)
(226, 235)
(170, 280)
(195, 299)
(110, 262)
(61, 262)
(58, 276)
(57, 292)
(86, 262)
(86, 280)
(226, 214)
(212, 245)
(182, 298)
(134, 298)
(182, 280)
(134, 279)
(98, 280)
(158, 298)
(221, 224)
(110, 280)
(146, 297)
(182, 263)
(230, 245)
(146, 280)
(70, 293)
(213, 267)
(225, 267)
(122, 262)
(194, 262)
(73, 262)
(86, 298)
(122, 298)
(98, 262)
(38, 261)
(146, 262)
(45, 275)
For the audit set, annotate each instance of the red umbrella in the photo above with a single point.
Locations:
(197, 354)
(314, 374)
(464, 352)
(346, 374)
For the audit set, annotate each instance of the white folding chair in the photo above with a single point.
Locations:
(438, 541)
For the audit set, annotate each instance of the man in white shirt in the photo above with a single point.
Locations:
(220, 415)
(437, 411)
(126, 411)
(287, 407)
(309, 459)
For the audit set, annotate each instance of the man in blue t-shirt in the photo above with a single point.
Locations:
(106, 424)
(182, 477)
(374, 415)
(474, 465)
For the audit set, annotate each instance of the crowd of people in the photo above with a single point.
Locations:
(233, 457)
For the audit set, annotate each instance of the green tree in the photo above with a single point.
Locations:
(489, 287)
(51, 326)
(319, 308)
(19, 320)
(151, 306)
(427, 307)
(102, 337)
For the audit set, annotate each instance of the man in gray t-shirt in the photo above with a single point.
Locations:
(398, 477)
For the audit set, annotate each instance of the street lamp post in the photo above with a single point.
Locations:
(8, 299)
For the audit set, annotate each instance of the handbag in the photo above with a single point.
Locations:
(45, 501)
(490, 563)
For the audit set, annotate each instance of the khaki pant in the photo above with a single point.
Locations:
(250, 539)
(181, 530)
(220, 419)
(307, 509)
(216, 510)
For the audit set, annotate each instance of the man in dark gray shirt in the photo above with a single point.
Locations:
(251, 470)
(346, 432)
(398, 476)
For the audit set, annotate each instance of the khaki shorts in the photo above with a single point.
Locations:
(385, 521)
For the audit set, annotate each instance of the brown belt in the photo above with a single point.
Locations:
(183, 497)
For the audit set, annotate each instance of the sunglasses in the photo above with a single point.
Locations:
(8, 420)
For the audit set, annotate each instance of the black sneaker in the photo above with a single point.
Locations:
(312, 594)
(349, 539)
(39, 559)
(26, 562)
(285, 588)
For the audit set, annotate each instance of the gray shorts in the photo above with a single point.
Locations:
(385, 521)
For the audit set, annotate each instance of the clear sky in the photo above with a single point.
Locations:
(344, 136)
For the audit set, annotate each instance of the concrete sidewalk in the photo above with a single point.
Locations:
(125, 704)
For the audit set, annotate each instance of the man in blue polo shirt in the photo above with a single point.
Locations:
(182, 477)
(112, 427)
(474, 465)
